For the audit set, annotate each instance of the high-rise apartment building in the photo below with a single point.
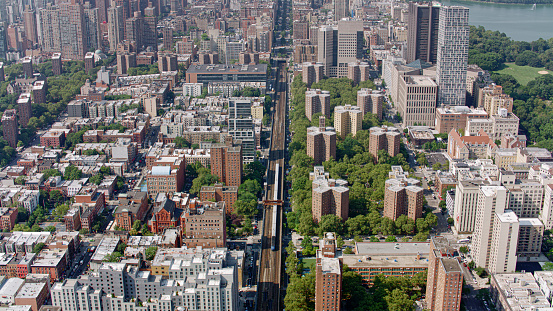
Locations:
(321, 143)
(27, 64)
(88, 62)
(168, 38)
(226, 163)
(74, 38)
(445, 277)
(328, 49)
(56, 64)
(456, 117)
(384, 138)
(370, 101)
(492, 200)
(312, 72)
(525, 195)
(466, 205)
(328, 283)
(50, 26)
(241, 127)
(341, 9)
(452, 61)
(402, 196)
(9, 127)
(116, 27)
(494, 99)
(92, 27)
(24, 109)
(504, 240)
(134, 30)
(422, 32)
(150, 28)
(530, 237)
(359, 72)
(347, 120)
(220, 193)
(29, 19)
(317, 101)
(329, 196)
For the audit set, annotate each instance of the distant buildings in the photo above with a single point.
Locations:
(422, 32)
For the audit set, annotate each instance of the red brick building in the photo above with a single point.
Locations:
(166, 175)
(218, 193)
(52, 262)
(53, 138)
(8, 217)
(166, 215)
(204, 224)
(132, 206)
(33, 294)
(226, 163)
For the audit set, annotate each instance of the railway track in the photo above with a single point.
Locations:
(268, 292)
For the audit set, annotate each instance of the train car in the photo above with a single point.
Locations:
(275, 209)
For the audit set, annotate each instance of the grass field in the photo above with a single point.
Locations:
(523, 74)
(308, 262)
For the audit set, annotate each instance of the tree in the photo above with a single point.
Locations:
(151, 252)
(252, 186)
(339, 242)
(49, 173)
(463, 249)
(38, 247)
(113, 257)
(548, 266)
(398, 300)
(60, 211)
(72, 173)
(330, 223)
(390, 238)
(307, 247)
(56, 196)
(96, 179)
(247, 208)
(181, 143)
(51, 228)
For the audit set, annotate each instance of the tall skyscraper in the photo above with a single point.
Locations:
(168, 38)
(341, 9)
(50, 26)
(29, 19)
(102, 6)
(24, 109)
(3, 40)
(134, 30)
(9, 126)
(92, 24)
(452, 61)
(116, 28)
(150, 28)
(422, 32)
(74, 39)
(339, 46)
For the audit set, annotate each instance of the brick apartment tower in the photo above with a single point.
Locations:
(400, 198)
(9, 125)
(445, 277)
(370, 101)
(328, 277)
(384, 138)
(27, 67)
(56, 64)
(321, 143)
(317, 101)
(226, 163)
(88, 62)
(24, 109)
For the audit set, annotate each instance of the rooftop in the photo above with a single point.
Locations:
(214, 69)
(30, 290)
(392, 248)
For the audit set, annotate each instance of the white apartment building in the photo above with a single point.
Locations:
(29, 199)
(192, 89)
(452, 60)
(525, 195)
(466, 205)
(503, 124)
(504, 240)
(491, 200)
(546, 215)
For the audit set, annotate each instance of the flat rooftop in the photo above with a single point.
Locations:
(220, 68)
(392, 248)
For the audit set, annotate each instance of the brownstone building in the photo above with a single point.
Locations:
(132, 206)
(218, 193)
(445, 277)
(226, 163)
(384, 138)
(204, 224)
(321, 143)
(8, 217)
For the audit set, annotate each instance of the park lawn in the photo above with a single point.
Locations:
(307, 262)
(523, 74)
